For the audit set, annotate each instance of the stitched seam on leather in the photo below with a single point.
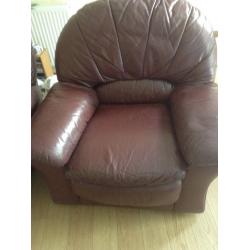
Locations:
(184, 30)
(169, 20)
(173, 58)
(194, 67)
(77, 81)
(81, 182)
(104, 59)
(176, 138)
(116, 33)
(148, 33)
(90, 52)
(125, 8)
(203, 59)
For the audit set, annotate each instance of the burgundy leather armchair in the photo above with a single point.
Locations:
(133, 119)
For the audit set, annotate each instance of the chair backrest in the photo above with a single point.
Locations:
(135, 45)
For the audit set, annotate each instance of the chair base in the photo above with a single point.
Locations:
(194, 189)
(142, 196)
(191, 199)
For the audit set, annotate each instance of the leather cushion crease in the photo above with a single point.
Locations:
(133, 119)
(168, 40)
(128, 145)
(142, 91)
(59, 122)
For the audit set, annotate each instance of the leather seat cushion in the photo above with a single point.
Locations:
(127, 146)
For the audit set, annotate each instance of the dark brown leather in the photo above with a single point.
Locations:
(153, 140)
(128, 146)
(60, 187)
(113, 40)
(195, 116)
(59, 122)
(142, 91)
(162, 195)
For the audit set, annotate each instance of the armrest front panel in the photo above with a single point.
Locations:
(195, 117)
(59, 122)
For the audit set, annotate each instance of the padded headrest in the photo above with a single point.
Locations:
(110, 40)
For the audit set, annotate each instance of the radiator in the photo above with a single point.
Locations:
(46, 26)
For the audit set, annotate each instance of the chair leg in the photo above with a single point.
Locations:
(59, 186)
(194, 189)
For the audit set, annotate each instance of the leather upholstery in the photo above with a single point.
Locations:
(195, 116)
(128, 146)
(143, 196)
(194, 189)
(133, 120)
(142, 91)
(59, 122)
(113, 40)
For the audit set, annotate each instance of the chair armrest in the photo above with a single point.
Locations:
(195, 118)
(59, 122)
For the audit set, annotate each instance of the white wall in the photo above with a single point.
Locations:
(210, 9)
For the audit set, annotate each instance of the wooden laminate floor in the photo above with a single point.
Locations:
(78, 227)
